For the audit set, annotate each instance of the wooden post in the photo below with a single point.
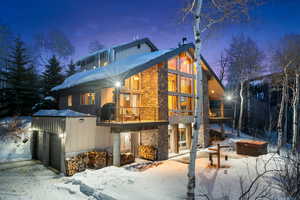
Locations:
(219, 156)
(222, 108)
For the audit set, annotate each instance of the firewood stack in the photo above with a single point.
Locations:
(127, 158)
(147, 152)
(79, 163)
(97, 160)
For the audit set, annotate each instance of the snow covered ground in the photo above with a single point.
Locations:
(15, 145)
(166, 180)
(34, 182)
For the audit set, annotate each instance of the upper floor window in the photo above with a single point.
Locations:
(185, 103)
(172, 82)
(172, 63)
(185, 64)
(185, 85)
(70, 100)
(103, 58)
(87, 99)
(133, 82)
(172, 102)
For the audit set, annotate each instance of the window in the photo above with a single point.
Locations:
(185, 64)
(172, 63)
(125, 100)
(87, 99)
(70, 100)
(103, 58)
(182, 138)
(133, 82)
(186, 85)
(172, 82)
(172, 102)
(185, 103)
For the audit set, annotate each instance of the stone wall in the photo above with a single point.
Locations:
(149, 97)
(149, 137)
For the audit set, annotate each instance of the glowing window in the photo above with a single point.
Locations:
(172, 63)
(172, 82)
(185, 64)
(185, 85)
(87, 99)
(172, 102)
(70, 100)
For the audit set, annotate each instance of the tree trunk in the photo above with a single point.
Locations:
(249, 124)
(198, 116)
(241, 108)
(281, 112)
(269, 108)
(295, 142)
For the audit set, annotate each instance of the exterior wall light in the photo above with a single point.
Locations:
(228, 97)
(118, 84)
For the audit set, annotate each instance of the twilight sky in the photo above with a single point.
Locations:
(118, 21)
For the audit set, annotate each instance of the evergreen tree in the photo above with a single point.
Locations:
(71, 69)
(21, 94)
(52, 75)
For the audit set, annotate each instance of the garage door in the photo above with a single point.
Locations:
(55, 151)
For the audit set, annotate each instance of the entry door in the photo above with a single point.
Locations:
(55, 151)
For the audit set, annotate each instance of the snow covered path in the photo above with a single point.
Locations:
(34, 182)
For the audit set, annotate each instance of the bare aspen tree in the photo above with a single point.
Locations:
(205, 14)
(288, 58)
(295, 143)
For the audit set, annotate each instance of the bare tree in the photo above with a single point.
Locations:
(288, 58)
(205, 14)
(53, 42)
(94, 46)
(223, 65)
(244, 62)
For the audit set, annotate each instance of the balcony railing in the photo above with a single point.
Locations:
(215, 113)
(130, 114)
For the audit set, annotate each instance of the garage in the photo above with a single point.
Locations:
(54, 151)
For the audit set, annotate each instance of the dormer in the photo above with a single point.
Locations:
(104, 57)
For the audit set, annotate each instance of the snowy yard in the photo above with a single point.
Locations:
(165, 181)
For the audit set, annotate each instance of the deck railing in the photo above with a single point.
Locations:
(132, 114)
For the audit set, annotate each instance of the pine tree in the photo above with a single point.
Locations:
(20, 93)
(71, 69)
(52, 75)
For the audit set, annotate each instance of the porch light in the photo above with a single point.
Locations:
(118, 84)
(212, 91)
(228, 97)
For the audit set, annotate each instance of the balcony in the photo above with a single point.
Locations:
(130, 118)
(217, 115)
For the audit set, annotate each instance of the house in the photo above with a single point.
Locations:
(142, 96)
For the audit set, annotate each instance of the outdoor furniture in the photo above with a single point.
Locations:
(251, 147)
(217, 152)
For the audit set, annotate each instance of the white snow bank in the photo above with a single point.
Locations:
(60, 113)
(111, 70)
(167, 181)
(49, 98)
(15, 145)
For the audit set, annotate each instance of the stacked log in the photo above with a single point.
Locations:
(79, 163)
(127, 158)
(147, 152)
(97, 160)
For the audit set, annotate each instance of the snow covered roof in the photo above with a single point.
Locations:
(60, 113)
(122, 68)
(122, 46)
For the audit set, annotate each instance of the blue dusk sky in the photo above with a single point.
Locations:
(118, 21)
